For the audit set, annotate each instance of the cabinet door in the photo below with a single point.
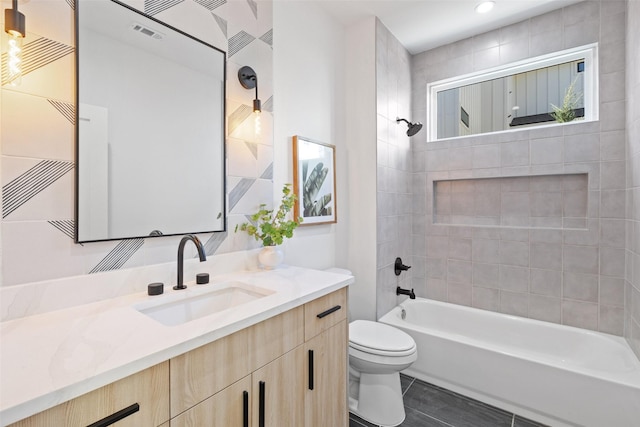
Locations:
(200, 373)
(273, 337)
(278, 392)
(141, 399)
(326, 388)
(227, 408)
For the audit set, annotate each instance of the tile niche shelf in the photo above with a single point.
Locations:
(543, 201)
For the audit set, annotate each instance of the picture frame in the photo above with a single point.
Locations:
(314, 181)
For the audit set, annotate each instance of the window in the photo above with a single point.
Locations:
(541, 91)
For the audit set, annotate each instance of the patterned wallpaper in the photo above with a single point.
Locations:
(37, 139)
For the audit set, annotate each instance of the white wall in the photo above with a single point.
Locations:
(316, 97)
(309, 101)
(362, 157)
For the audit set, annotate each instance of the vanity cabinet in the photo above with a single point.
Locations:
(326, 339)
(286, 371)
(326, 391)
(141, 399)
(203, 372)
(294, 381)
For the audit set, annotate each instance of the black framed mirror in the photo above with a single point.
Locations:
(150, 127)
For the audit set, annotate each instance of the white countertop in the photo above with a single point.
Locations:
(49, 358)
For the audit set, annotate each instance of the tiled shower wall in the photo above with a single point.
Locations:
(393, 223)
(556, 274)
(632, 282)
(37, 142)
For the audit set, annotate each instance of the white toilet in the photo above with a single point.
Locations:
(377, 354)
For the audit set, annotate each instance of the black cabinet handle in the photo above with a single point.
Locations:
(245, 409)
(261, 404)
(115, 417)
(328, 312)
(310, 369)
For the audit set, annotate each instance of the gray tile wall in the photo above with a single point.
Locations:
(394, 185)
(632, 282)
(568, 276)
(543, 201)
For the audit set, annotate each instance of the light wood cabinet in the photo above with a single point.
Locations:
(273, 396)
(257, 377)
(324, 312)
(228, 408)
(200, 373)
(326, 340)
(274, 337)
(326, 392)
(141, 399)
(278, 392)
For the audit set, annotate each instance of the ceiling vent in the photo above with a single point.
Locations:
(146, 31)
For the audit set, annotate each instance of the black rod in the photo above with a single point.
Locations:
(245, 409)
(328, 312)
(115, 417)
(310, 369)
(261, 404)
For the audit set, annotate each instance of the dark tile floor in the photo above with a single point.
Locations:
(427, 405)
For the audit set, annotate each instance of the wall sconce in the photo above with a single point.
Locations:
(249, 80)
(15, 27)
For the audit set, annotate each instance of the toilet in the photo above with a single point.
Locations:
(377, 354)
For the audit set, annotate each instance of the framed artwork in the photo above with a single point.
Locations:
(314, 181)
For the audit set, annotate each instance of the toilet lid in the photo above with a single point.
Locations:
(374, 337)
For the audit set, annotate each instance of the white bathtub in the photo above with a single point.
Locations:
(554, 374)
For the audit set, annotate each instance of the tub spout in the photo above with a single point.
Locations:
(400, 291)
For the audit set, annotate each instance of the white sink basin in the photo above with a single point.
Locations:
(195, 303)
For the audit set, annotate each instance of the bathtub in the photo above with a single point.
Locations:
(557, 375)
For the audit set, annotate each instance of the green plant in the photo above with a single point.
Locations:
(269, 227)
(567, 112)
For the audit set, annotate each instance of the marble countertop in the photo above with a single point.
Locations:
(49, 358)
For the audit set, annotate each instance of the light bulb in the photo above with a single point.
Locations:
(14, 59)
(257, 124)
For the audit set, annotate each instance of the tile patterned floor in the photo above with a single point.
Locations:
(427, 405)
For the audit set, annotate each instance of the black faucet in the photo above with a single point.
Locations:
(400, 291)
(201, 254)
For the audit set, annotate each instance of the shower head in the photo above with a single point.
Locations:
(412, 128)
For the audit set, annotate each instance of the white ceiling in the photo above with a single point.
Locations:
(421, 25)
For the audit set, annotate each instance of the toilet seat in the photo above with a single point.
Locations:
(380, 339)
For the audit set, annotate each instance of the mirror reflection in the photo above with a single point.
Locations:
(150, 143)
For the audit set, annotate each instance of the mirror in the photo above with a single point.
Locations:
(547, 90)
(150, 143)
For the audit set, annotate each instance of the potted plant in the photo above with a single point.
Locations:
(271, 227)
(567, 112)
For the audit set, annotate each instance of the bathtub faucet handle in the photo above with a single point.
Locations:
(399, 267)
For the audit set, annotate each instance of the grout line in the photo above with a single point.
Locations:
(434, 418)
(408, 387)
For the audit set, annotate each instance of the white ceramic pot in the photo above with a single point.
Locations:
(270, 257)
